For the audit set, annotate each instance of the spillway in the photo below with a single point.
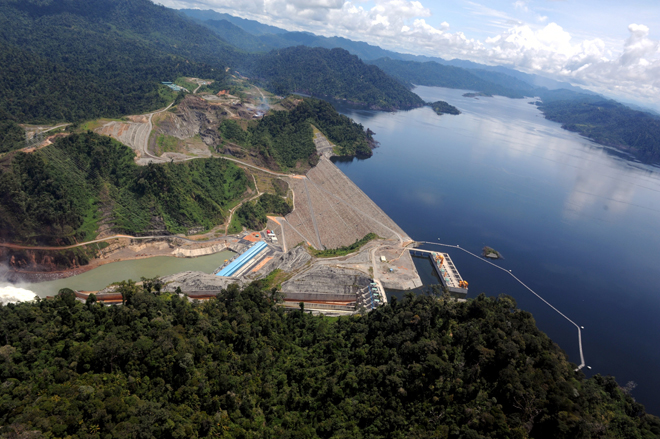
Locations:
(243, 259)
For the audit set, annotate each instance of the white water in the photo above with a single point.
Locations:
(12, 294)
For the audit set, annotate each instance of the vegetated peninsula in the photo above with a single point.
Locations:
(442, 107)
(239, 365)
(609, 123)
(286, 136)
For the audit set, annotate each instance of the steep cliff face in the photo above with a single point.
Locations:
(44, 261)
(193, 116)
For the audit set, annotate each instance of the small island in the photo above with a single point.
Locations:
(442, 107)
(476, 95)
(490, 253)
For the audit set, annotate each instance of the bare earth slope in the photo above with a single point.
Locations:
(331, 211)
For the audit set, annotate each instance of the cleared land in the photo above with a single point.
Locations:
(331, 211)
(323, 145)
(131, 134)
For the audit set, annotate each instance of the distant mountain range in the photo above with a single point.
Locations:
(77, 60)
(605, 121)
(263, 37)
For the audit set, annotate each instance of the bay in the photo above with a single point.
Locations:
(576, 221)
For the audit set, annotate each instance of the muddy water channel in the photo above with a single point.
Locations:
(104, 275)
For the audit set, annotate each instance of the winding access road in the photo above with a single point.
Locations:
(231, 212)
(143, 142)
(109, 238)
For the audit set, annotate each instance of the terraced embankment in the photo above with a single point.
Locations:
(331, 211)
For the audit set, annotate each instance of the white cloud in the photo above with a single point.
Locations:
(314, 4)
(630, 70)
(522, 5)
(633, 72)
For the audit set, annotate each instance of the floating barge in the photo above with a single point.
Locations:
(446, 270)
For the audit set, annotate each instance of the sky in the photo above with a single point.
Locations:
(611, 47)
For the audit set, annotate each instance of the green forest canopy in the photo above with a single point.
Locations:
(12, 135)
(54, 195)
(330, 73)
(82, 59)
(253, 215)
(287, 136)
(238, 366)
(609, 123)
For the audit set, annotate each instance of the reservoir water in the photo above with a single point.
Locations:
(104, 275)
(576, 221)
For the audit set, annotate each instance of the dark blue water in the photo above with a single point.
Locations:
(576, 221)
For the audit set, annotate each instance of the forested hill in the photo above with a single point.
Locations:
(333, 73)
(609, 123)
(286, 137)
(61, 194)
(81, 59)
(238, 366)
(66, 61)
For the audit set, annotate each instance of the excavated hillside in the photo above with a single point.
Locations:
(192, 117)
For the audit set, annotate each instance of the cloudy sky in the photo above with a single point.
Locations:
(609, 46)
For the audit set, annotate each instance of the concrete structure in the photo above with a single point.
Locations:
(446, 270)
(372, 296)
(174, 86)
(237, 265)
(322, 284)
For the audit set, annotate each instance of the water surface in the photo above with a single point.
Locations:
(104, 275)
(576, 221)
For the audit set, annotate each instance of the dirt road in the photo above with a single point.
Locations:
(109, 238)
(142, 140)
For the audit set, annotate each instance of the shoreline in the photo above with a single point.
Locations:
(311, 187)
(18, 276)
(15, 276)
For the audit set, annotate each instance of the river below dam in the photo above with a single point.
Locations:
(576, 221)
(104, 275)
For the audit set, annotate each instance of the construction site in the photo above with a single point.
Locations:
(329, 212)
